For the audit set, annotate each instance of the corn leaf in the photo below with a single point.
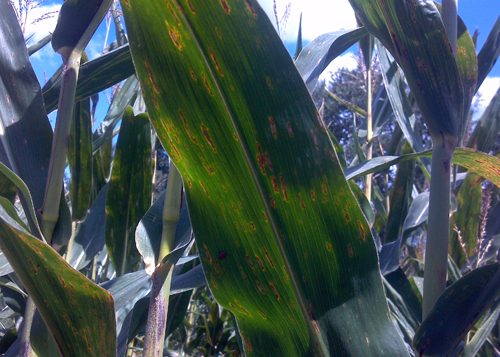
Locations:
(282, 241)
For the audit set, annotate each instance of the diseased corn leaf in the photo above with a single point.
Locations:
(400, 197)
(465, 221)
(63, 296)
(129, 193)
(414, 34)
(282, 241)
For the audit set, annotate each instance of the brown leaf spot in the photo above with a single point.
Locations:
(264, 214)
(272, 124)
(174, 15)
(283, 188)
(209, 169)
(315, 140)
(205, 82)
(191, 7)
(193, 139)
(347, 217)
(313, 195)
(205, 133)
(290, 131)
(261, 289)
(361, 231)
(263, 316)
(273, 202)
(204, 189)
(261, 160)
(260, 263)
(328, 246)
(212, 54)
(249, 261)
(242, 308)
(250, 8)
(275, 184)
(219, 35)
(175, 36)
(193, 75)
(268, 161)
(225, 6)
(349, 248)
(274, 291)
(268, 258)
(253, 226)
(207, 253)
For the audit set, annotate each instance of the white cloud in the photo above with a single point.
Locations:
(487, 90)
(318, 16)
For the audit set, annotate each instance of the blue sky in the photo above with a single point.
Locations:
(318, 17)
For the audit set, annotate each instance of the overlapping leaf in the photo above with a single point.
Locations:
(282, 240)
(129, 193)
(414, 34)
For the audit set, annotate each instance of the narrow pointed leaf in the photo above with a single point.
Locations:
(489, 53)
(63, 296)
(80, 158)
(483, 332)
(253, 153)
(89, 239)
(484, 165)
(321, 51)
(129, 193)
(400, 197)
(124, 97)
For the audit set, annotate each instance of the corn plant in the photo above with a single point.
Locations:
(287, 243)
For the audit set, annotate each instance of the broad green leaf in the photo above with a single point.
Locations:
(80, 158)
(321, 51)
(129, 193)
(486, 131)
(95, 76)
(399, 101)
(89, 239)
(63, 296)
(486, 166)
(489, 53)
(400, 197)
(466, 219)
(281, 238)
(414, 34)
(457, 310)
